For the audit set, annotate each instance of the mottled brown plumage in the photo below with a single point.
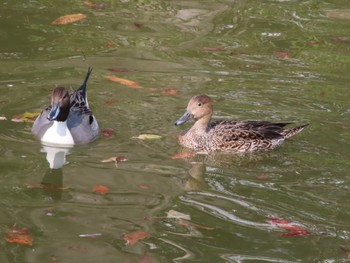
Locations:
(229, 136)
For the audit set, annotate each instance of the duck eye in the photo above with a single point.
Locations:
(199, 104)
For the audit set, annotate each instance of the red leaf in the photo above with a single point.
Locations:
(278, 220)
(100, 189)
(133, 237)
(138, 24)
(19, 236)
(292, 229)
(285, 55)
(107, 133)
(183, 155)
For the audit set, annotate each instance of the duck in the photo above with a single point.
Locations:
(229, 136)
(68, 121)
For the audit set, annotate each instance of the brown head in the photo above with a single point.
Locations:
(60, 105)
(199, 107)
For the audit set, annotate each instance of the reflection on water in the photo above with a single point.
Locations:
(56, 156)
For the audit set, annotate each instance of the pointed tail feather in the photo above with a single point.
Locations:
(292, 131)
(82, 88)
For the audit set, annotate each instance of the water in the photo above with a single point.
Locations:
(270, 60)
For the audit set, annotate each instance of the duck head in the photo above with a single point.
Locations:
(199, 107)
(60, 105)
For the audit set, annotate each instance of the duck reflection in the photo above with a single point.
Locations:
(56, 156)
(195, 181)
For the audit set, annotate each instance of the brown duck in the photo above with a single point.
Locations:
(229, 136)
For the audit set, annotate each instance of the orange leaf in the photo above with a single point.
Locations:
(133, 237)
(262, 176)
(68, 19)
(94, 5)
(170, 91)
(25, 117)
(125, 82)
(19, 236)
(183, 155)
(100, 189)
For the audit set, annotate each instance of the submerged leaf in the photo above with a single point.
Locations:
(178, 215)
(133, 237)
(107, 133)
(147, 137)
(68, 19)
(19, 236)
(100, 189)
(183, 155)
(125, 82)
(25, 117)
(292, 229)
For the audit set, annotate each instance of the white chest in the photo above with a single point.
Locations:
(58, 134)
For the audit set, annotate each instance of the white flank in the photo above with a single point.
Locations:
(58, 134)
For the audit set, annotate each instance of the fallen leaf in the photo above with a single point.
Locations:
(133, 237)
(147, 137)
(214, 49)
(338, 13)
(2, 118)
(68, 19)
(115, 159)
(120, 70)
(19, 236)
(177, 215)
(262, 176)
(100, 189)
(110, 44)
(341, 39)
(285, 55)
(190, 224)
(138, 24)
(169, 91)
(107, 133)
(312, 42)
(94, 5)
(143, 186)
(183, 155)
(111, 101)
(125, 82)
(25, 117)
(292, 229)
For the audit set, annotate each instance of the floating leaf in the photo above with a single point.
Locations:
(115, 159)
(183, 155)
(178, 215)
(68, 19)
(94, 5)
(285, 55)
(144, 186)
(19, 236)
(133, 237)
(125, 82)
(338, 13)
(3, 118)
(169, 91)
(147, 137)
(100, 189)
(25, 117)
(107, 133)
(138, 24)
(262, 176)
(312, 42)
(190, 224)
(341, 39)
(293, 229)
(214, 49)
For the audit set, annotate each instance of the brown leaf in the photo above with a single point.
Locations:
(111, 101)
(19, 236)
(262, 176)
(133, 237)
(169, 91)
(68, 19)
(285, 55)
(94, 5)
(100, 189)
(214, 49)
(125, 82)
(312, 42)
(138, 24)
(144, 186)
(183, 155)
(120, 70)
(341, 39)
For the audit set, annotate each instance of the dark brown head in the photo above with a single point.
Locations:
(198, 107)
(60, 105)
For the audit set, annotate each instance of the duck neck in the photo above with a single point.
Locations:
(201, 125)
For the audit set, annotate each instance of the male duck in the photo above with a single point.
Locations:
(229, 136)
(69, 120)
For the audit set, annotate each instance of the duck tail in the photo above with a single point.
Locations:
(292, 131)
(82, 88)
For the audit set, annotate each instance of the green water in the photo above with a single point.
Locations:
(265, 60)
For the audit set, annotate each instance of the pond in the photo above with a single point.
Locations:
(283, 61)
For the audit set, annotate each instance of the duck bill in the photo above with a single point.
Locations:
(186, 117)
(54, 112)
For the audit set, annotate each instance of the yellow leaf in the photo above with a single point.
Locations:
(25, 117)
(125, 82)
(68, 19)
(147, 137)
